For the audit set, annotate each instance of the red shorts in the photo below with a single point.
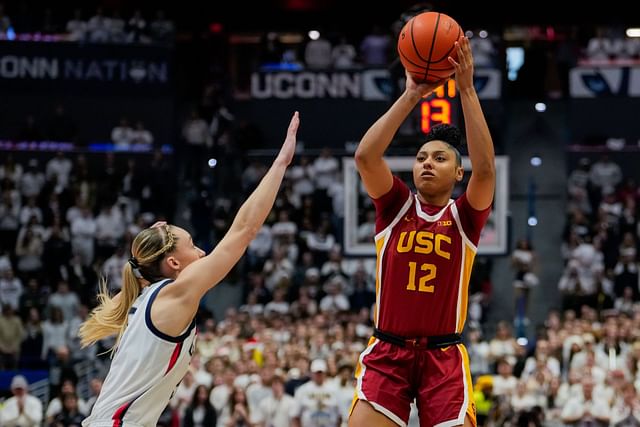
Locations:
(390, 377)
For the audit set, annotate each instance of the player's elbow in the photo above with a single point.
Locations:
(363, 158)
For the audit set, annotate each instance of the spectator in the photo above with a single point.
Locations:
(344, 54)
(587, 408)
(197, 138)
(199, 413)
(77, 27)
(99, 27)
(503, 344)
(59, 409)
(11, 335)
(626, 412)
(483, 50)
(137, 28)
(32, 181)
(239, 410)
(31, 349)
(317, 53)
(11, 170)
(316, 403)
(523, 261)
(58, 170)
(141, 136)
(335, 300)
(162, 29)
(55, 332)
(277, 409)
(29, 249)
(605, 174)
(374, 48)
(10, 289)
(121, 135)
(70, 415)
(64, 299)
(23, 409)
(5, 22)
(117, 28)
(9, 221)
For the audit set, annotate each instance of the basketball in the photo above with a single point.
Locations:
(425, 43)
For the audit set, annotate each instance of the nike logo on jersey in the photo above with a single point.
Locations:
(445, 223)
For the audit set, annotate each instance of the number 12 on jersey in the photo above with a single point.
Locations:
(428, 275)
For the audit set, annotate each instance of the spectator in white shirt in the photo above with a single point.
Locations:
(316, 403)
(277, 409)
(627, 411)
(110, 229)
(335, 301)
(30, 210)
(325, 168)
(140, 135)
(83, 231)
(58, 170)
(23, 409)
(587, 407)
(76, 27)
(121, 135)
(112, 269)
(195, 132)
(65, 300)
(55, 332)
(504, 384)
(279, 305)
(284, 227)
(344, 54)
(10, 289)
(99, 27)
(32, 181)
(317, 53)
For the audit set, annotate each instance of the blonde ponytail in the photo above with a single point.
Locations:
(111, 316)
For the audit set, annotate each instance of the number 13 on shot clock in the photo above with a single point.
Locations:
(439, 107)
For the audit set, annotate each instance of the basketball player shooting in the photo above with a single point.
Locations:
(425, 245)
(153, 316)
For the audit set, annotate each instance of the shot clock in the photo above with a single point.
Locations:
(441, 106)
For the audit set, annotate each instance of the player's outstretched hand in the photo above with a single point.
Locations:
(289, 146)
(464, 64)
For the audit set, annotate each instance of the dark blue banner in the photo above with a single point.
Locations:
(84, 67)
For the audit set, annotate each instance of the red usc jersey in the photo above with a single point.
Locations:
(424, 259)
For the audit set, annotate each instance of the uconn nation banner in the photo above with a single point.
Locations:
(84, 67)
(366, 85)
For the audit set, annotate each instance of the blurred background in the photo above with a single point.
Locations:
(117, 114)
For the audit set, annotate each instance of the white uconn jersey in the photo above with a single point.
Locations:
(145, 371)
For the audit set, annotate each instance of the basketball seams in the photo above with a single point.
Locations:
(413, 41)
(433, 43)
(446, 55)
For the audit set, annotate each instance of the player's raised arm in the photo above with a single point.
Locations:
(205, 273)
(374, 171)
(480, 145)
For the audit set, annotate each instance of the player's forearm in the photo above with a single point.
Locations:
(379, 136)
(479, 142)
(255, 209)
